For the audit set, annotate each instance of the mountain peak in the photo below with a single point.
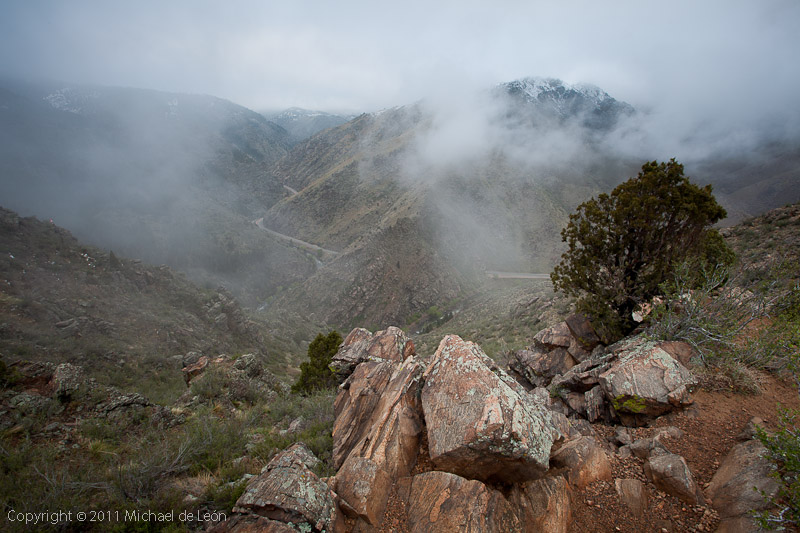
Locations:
(554, 97)
(539, 88)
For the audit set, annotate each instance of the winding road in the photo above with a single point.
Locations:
(302, 244)
(515, 275)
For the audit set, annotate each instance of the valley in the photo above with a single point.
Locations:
(167, 260)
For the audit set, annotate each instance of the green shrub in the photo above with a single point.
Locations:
(316, 374)
(783, 451)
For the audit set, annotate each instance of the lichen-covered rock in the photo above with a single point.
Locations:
(543, 505)
(288, 491)
(67, 380)
(391, 344)
(583, 461)
(379, 415)
(444, 502)
(481, 424)
(671, 474)
(645, 381)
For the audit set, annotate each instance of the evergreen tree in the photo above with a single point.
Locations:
(623, 245)
(315, 374)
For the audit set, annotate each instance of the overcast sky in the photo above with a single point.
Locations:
(709, 60)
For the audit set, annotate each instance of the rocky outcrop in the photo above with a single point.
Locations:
(481, 424)
(378, 425)
(67, 380)
(227, 381)
(441, 501)
(288, 491)
(194, 369)
(391, 344)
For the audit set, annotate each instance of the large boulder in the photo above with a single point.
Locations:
(737, 486)
(481, 424)
(440, 501)
(391, 344)
(288, 491)
(645, 381)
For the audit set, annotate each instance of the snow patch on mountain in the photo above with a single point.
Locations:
(70, 100)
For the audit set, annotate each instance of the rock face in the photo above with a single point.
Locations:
(364, 486)
(441, 501)
(482, 424)
(379, 415)
(736, 488)
(378, 424)
(288, 491)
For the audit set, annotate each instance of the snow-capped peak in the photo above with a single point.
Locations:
(533, 88)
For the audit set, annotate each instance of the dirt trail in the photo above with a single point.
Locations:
(710, 428)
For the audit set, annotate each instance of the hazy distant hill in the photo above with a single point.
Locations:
(416, 230)
(166, 177)
(303, 123)
(419, 200)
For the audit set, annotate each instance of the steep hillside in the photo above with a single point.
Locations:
(165, 177)
(373, 190)
(62, 301)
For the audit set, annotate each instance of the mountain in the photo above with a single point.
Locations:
(416, 231)
(170, 178)
(412, 205)
(552, 101)
(303, 123)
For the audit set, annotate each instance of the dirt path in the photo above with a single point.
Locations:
(710, 428)
(302, 244)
